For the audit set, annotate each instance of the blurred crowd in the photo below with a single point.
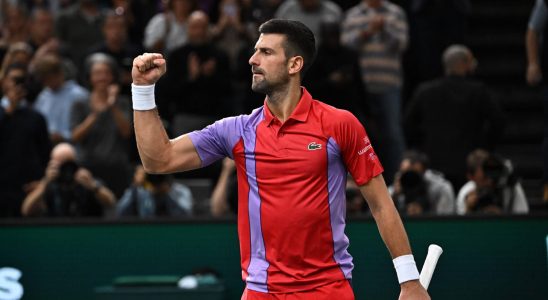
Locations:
(66, 139)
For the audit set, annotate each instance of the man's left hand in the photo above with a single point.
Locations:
(413, 290)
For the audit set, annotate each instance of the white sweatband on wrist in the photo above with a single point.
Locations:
(406, 268)
(143, 97)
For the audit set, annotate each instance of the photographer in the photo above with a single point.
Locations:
(492, 187)
(418, 189)
(24, 142)
(67, 190)
(155, 195)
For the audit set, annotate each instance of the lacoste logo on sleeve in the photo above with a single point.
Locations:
(314, 146)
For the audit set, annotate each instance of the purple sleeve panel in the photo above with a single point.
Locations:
(217, 140)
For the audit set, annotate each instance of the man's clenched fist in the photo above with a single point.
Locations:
(148, 68)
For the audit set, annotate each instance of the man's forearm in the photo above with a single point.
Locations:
(152, 140)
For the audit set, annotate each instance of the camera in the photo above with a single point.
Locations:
(500, 177)
(415, 189)
(67, 170)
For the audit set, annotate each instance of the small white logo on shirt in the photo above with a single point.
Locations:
(367, 146)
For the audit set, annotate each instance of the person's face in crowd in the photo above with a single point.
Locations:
(114, 30)
(198, 29)
(269, 64)
(42, 26)
(101, 76)
(15, 19)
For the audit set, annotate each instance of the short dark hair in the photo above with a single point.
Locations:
(299, 39)
(415, 156)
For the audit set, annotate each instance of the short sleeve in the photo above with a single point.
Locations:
(356, 150)
(216, 140)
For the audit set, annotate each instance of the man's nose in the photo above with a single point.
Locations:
(253, 60)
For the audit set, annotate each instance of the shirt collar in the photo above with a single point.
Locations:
(300, 113)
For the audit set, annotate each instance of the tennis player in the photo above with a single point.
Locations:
(292, 157)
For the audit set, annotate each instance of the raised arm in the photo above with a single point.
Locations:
(158, 153)
(393, 234)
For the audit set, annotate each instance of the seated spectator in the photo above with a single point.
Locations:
(24, 142)
(451, 116)
(57, 98)
(155, 195)
(418, 189)
(492, 187)
(67, 189)
(101, 126)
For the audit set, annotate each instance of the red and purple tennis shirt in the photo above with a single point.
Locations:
(291, 190)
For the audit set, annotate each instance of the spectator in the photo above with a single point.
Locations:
(418, 189)
(310, 12)
(377, 29)
(155, 196)
(67, 190)
(336, 76)
(537, 70)
(24, 143)
(451, 116)
(201, 73)
(42, 28)
(167, 31)
(101, 126)
(79, 28)
(232, 33)
(56, 99)
(492, 187)
(136, 13)
(117, 45)
(15, 27)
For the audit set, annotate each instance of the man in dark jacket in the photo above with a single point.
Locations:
(451, 116)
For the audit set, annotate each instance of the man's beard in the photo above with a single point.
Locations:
(262, 86)
(267, 87)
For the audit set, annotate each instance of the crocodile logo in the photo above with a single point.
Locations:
(314, 146)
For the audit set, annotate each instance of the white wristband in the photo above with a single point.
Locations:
(406, 268)
(143, 97)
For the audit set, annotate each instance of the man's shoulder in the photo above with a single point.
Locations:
(331, 115)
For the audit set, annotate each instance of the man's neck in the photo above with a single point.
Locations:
(282, 103)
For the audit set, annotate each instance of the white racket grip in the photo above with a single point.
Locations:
(434, 252)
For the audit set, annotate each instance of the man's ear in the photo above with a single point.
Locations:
(295, 64)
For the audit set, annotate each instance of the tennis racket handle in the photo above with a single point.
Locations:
(434, 252)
